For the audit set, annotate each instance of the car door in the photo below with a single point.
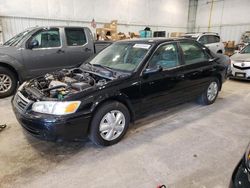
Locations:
(47, 54)
(160, 89)
(78, 46)
(198, 68)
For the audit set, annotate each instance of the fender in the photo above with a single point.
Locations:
(8, 61)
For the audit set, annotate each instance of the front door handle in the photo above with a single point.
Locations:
(180, 76)
(60, 51)
(87, 50)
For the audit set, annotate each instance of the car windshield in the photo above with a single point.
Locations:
(16, 39)
(245, 50)
(121, 56)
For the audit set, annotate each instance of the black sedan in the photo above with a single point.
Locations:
(241, 174)
(126, 81)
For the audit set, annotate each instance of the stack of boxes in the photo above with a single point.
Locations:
(108, 32)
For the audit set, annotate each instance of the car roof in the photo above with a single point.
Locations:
(46, 27)
(199, 34)
(155, 40)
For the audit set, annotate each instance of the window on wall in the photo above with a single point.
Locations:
(166, 56)
(48, 38)
(75, 36)
(193, 53)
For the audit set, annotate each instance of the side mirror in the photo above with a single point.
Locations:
(33, 44)
(153, 70)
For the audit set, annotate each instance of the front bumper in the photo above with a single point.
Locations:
(51, 127)
(240, 177)
(240, 73)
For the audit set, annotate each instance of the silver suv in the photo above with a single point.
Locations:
(210, 40)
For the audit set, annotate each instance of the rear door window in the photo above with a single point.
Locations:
(213, 39)
(193, 53)
(75, 36)
(217, 38)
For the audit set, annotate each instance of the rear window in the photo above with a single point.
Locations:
(75, 36)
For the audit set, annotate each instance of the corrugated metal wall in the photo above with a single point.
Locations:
(14, 25)
(167, 15)
(230, 18)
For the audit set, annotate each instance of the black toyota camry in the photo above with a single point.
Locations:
(126, 81)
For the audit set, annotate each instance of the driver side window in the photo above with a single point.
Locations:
(166, 56)
(47, 38)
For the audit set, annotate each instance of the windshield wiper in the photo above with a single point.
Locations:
(104, 67)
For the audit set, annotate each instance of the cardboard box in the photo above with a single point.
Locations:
(231, 44)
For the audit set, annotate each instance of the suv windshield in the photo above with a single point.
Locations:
(16, 39)
(245, 50)
(122, 56)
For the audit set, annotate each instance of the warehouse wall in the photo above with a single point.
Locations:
(132, 15)
(230, 18)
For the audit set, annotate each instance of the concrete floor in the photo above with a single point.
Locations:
(187, 146)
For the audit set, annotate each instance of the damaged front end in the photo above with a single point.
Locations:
(62, 84)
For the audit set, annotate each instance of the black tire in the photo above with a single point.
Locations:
(94, 132)
(203, 99)
(13, 84)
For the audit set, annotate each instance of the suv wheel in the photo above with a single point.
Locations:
(210, 94)
(8, 82)
(109, 124)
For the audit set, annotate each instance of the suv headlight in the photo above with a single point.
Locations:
(247, 157)
(56, 108)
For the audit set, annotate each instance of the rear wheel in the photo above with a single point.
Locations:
(109, 124)
(8, 82)
(210, 94)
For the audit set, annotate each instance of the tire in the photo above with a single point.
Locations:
(102, 119)
(8, 82)
(205, 98)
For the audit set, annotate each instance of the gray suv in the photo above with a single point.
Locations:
(40, 50)
(209, 39)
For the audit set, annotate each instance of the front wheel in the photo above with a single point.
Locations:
(210, 94)
(8, 82)
(109, 124)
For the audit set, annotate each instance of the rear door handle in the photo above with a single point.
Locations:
(87, 50)
(60, 51)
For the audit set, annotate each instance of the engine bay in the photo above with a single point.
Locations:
(61, 84)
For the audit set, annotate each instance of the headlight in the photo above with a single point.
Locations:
(247, 157)
(21, 86)
(56, 108)
(232, 63)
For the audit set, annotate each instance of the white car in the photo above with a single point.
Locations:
(240, 64)
(210, 40)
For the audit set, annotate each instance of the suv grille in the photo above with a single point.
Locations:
(21, 102)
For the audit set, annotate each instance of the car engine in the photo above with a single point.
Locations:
(64, 83)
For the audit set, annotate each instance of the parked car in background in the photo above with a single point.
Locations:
(40, 50)
(209, 39)
(241, 174)
(240, 64)
(127, 80)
